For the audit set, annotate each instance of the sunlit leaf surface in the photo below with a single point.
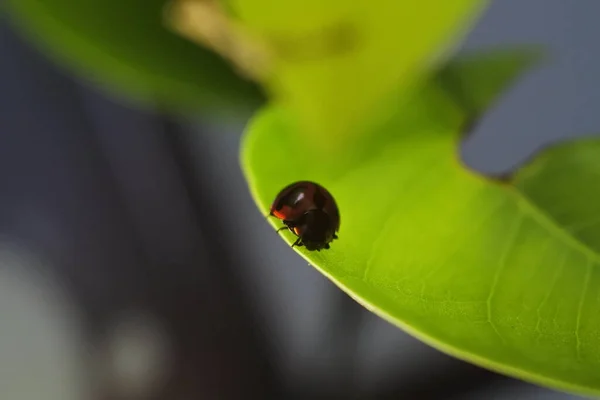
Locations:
(503, 274)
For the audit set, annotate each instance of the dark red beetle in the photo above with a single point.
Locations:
(309, 211)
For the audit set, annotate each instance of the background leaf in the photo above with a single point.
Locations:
(491, 272)
(125, 45)
(467, 79)
(333, 61)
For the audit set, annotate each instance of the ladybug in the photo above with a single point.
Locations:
(309, 211)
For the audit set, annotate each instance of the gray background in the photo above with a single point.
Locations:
(136, 266)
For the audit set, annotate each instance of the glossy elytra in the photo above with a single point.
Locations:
(309, 211)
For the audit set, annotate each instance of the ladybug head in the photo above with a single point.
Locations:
(316, 229)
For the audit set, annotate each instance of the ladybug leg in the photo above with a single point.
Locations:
(335, 236)
(327, 247)
(298, 243)
(287, 225)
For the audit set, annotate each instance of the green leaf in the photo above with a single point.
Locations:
(561, 182)
(333, 61)
(125, 45)
(504, 275)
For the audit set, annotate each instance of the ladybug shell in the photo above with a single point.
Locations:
(300, 197)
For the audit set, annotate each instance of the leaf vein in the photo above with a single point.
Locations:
(586, 286)
(476, 228)
(558, 272)
(414, 184)
(577, 227)
(510, 243)
(552, 226)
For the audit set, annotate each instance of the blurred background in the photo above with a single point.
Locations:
(135, 265)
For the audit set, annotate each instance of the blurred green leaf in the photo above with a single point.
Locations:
(466, 79)
(504, 275)
(125, 45)
(334, 61)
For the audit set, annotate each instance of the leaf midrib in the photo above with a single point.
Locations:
(527, 205)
